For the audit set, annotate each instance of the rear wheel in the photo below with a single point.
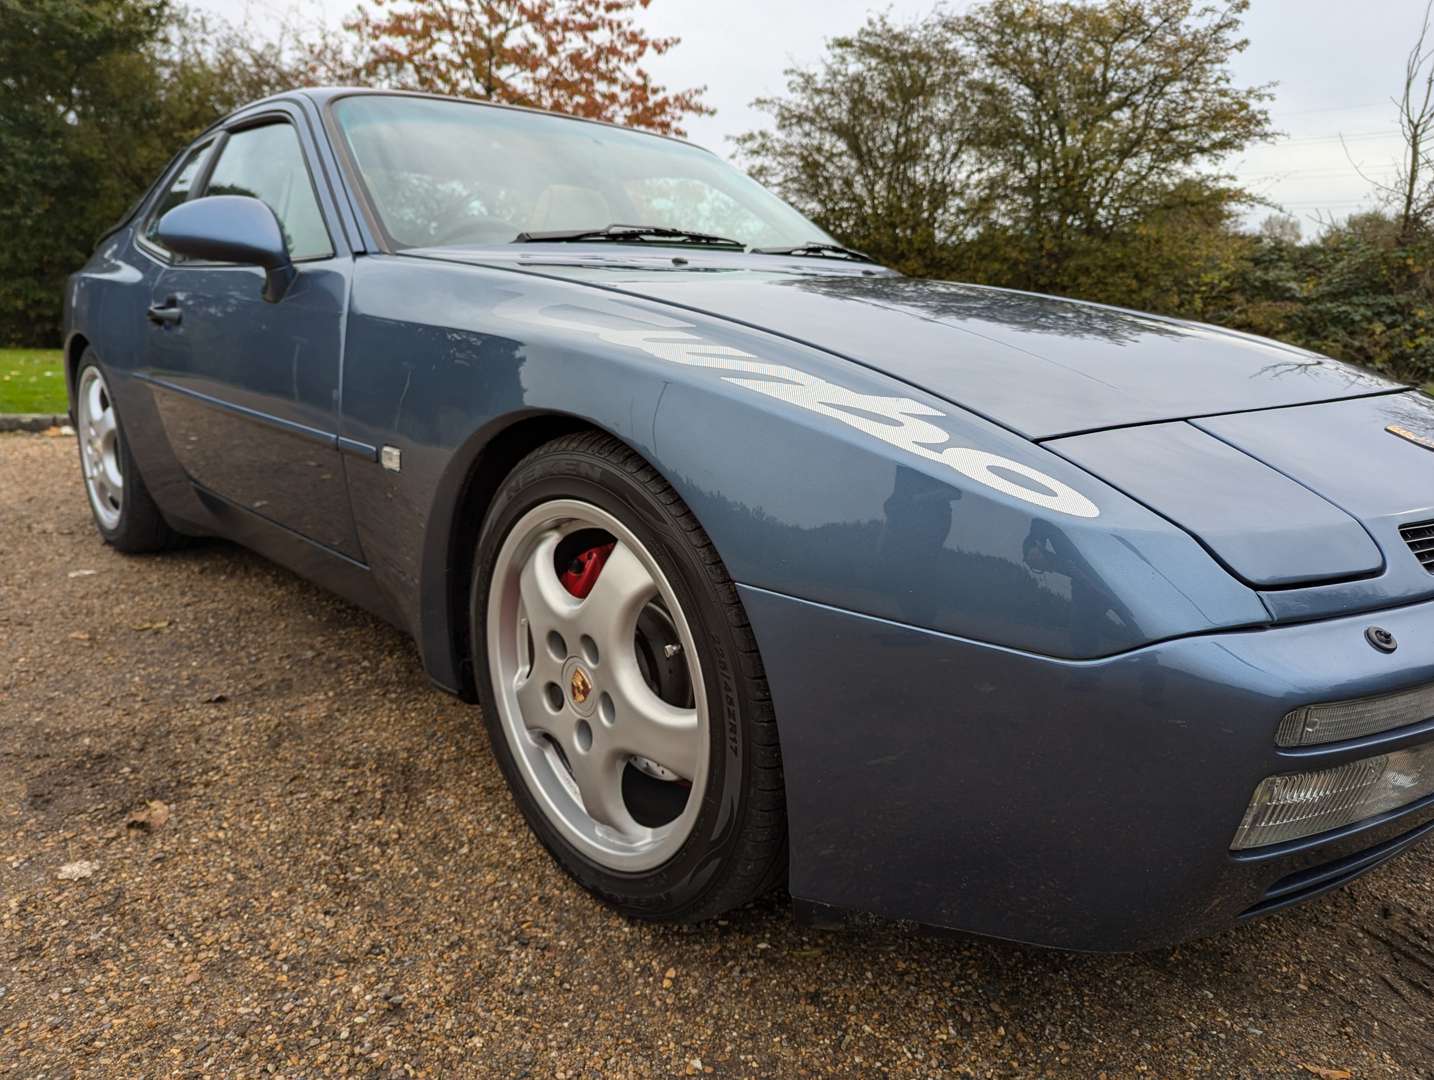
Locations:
(622, 688)
(124, 513)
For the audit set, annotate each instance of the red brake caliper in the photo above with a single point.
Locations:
(582, 574)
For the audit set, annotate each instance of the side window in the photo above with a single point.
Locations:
(267, 163)
(177, 192)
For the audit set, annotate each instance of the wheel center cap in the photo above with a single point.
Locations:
(579, 687)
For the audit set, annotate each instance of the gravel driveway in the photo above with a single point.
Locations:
(242, 835)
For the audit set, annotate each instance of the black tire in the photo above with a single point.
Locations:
(737, 848)
(141, 527)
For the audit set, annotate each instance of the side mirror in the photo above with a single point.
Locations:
(231, 229)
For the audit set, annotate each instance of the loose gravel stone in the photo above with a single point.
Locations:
(341, 885)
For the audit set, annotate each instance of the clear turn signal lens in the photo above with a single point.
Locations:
(1295, 805)
(1335, 721)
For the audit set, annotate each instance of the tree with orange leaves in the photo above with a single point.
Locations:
(581, 57)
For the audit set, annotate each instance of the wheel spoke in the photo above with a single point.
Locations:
(548, 605)
(598, 773)
(114, 479)
(531, 691)
(95, 401)
(609, 614)
(646, 725)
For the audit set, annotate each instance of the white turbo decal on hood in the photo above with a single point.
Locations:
(670, 340)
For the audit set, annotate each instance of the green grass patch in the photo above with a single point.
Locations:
(32, 381)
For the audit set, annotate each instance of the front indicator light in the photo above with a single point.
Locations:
(1295, 805)
(1334, 721)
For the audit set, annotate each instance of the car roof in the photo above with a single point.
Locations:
(322, 96)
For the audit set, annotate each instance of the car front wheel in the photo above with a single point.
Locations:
(621, 686)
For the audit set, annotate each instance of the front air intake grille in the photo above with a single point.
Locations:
(1420, 537)
(1303, 884)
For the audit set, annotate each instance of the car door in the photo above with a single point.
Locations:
(248, 390)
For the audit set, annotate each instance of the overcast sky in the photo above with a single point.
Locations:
(1335, 62)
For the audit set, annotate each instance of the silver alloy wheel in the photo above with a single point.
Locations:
(574, 705)
(98, 433)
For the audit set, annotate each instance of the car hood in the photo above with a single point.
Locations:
(1339, 491)
(1039, 365)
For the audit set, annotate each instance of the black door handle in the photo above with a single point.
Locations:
(167, 314)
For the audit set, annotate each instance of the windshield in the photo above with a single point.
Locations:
(453, 172)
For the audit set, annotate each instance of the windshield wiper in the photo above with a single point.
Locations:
(818, 249)
(639, 233)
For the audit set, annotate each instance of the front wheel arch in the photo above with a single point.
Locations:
(464, 494)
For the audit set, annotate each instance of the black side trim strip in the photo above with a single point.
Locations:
(357, 449)
(292, 427)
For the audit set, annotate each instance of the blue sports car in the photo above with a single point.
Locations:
(1028, 617)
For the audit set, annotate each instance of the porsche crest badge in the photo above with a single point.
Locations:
(580, 686)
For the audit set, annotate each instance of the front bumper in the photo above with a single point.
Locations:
(1077, 804)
